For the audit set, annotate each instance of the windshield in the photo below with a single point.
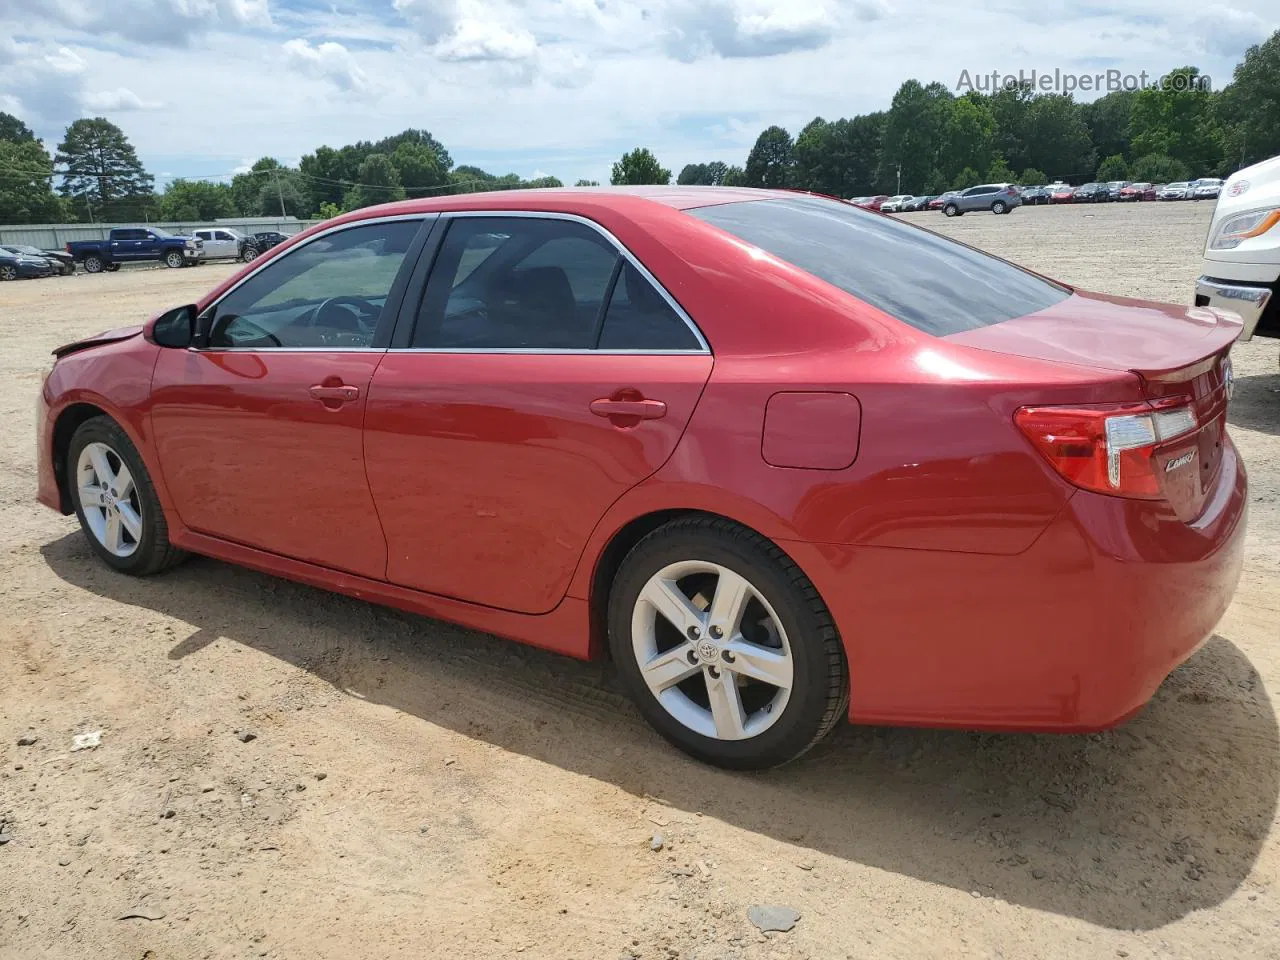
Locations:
(934, 284)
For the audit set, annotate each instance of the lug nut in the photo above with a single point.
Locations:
(694, 633)
(716, 633)
(715, 673)
(727, 656)
(692, 657)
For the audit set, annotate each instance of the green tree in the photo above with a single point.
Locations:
(376, 182)
(1011, 108)
(1056, 138)
(587, 183)
(703, 174)
(329, 210)
(1107, 120)
(195, 200)
(1250, 106)
(966, 178)
(419, 168)
(639, 167)
(1158, 168)
(14, 130)
(999, 172)
(102, 172)
(542, 183)
(1032, 177)
(417, 138)
(911, 144)
(838, 158)
(770, 161)
(735, 176)
(968, 135)
(1115, 167)
(1180, 122)
(26, 184)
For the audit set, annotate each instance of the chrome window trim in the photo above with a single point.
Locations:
(703, 346)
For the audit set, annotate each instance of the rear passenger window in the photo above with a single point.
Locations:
(639, 318)
(515, 283)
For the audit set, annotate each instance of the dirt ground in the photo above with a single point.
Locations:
(416, 790)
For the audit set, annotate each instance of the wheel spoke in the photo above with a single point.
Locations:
(90, 497)
(726, 706)
(111, 540)
(101, 466)
(131, 521)
(124, 482)
(666, 598)
(731, 598)
(759, 663)
(666, 669)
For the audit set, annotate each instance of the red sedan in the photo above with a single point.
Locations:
(782, 460)
(1136, 192)
(1062, 193)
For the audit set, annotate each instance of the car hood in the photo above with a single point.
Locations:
(108, 336)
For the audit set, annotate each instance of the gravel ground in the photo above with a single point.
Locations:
(416, 790)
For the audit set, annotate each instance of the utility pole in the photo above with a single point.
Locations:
(899, 190)
(279, 192)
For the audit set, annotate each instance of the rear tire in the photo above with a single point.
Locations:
(8, 272)
(715, 706)
(116, 502)
(999, 207)
(112, 267)
(93, 263)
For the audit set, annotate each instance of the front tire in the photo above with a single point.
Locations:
(116, 502)
(951, 210)
(725, 646)
(174, 259)
(8, 272)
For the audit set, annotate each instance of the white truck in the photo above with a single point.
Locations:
(1241, 269)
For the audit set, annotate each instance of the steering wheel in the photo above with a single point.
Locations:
(328, 315)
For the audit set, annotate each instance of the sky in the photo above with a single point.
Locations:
(559, 87)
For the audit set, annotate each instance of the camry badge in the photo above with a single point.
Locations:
(1181, 461)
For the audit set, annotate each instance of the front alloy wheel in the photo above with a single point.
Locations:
(724, 644)
(174, 259)
(109, 499)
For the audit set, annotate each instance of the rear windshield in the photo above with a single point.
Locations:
(934, 284)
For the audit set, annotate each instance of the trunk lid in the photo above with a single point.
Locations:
(1179, 356)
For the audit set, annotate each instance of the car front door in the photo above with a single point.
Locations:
(258, 430)
(542, 376)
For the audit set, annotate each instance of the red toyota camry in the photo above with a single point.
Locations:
(784, 460)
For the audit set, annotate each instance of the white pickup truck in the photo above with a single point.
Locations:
(223, 243)
(1241, 270)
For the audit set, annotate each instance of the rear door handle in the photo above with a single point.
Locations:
(643, 409)
(342, 394)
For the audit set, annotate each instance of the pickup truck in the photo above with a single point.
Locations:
(1241, 266)
(134, 244)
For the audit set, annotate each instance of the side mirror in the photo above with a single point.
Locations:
(176, 328)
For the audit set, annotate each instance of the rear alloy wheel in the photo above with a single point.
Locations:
(999, 207)
(93, 264)
(115, 501)
(174, 259)
(8, 271)
(951, 210)
(725, 646)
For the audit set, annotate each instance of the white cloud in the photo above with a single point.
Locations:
(168, 22)
(119, 100)
(1227, 31)
(329, 61)
(473, 40)
(748, 28)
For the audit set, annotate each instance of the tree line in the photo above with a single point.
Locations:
(929, 140)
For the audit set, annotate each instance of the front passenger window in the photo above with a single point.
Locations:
(327, 293)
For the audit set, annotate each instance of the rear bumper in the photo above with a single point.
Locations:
(1246, 299)
(1073, 635)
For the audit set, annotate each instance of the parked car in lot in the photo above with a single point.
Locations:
(1114, 188)
(894, 204)
(1033, 196)
(1206, 188)
(937, 203)
(1092, 193)
(1179, 190)
(1137, 192)
(1062, 193)
(62, 262)
(426, 377)
(224, 243)
(267, 239)
(22, 266)
(916, 204)
(872, 203)
(1241, 268)
(996, 197)
(135, 244)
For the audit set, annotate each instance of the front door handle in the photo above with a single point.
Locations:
(338, 394)
(640, 409)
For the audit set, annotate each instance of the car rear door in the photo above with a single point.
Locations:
(259, 429)
(543, 374)
(124, 244)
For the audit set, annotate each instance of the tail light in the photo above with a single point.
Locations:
(1107, 448)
